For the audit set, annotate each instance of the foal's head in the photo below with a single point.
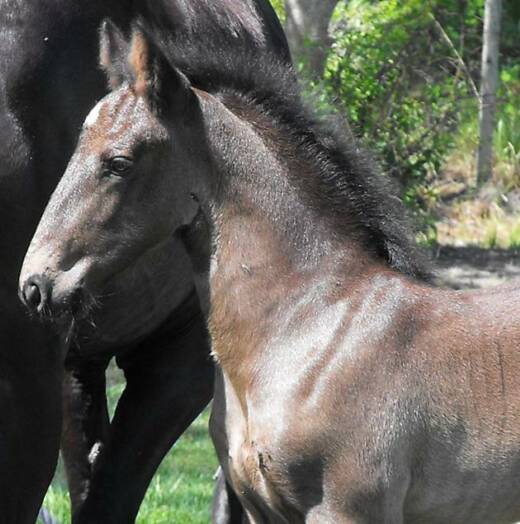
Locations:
(131, 183)
(156, 150)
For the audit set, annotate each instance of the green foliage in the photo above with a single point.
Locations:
(510, 34)
(405, 74)
(279, 8)
(491, 237)
(506, 143)
(400, 81)
(507, 132)
(514, 237)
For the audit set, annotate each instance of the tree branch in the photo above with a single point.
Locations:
(459, 58)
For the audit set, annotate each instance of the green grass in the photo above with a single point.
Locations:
(181, 489)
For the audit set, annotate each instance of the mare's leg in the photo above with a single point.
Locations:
(85, 422)
(30, 414)
(168, 385)
(226, 506)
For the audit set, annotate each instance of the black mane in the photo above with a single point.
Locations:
(349, 187)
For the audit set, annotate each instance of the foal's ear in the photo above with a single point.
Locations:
(113, 49)
(166, 89)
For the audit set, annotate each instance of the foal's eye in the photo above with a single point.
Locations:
(119, 165)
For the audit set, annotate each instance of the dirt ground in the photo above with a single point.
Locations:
(474, 267)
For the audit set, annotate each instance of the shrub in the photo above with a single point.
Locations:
(395, 71)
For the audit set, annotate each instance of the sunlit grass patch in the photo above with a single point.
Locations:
(479, 223)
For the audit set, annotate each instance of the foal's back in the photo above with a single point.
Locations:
(471, 367)
(431, 390)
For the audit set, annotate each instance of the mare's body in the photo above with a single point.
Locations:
(38, 65)
(350, 390)
(146, 316)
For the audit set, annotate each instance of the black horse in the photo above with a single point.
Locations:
(150, 322)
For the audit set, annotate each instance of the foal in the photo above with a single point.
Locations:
(350, 390)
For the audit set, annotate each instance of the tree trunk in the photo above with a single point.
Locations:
(307, 30)
(488, 90)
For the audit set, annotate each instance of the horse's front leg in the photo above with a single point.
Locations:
(85, 423)
(168, 384)
(226, 507)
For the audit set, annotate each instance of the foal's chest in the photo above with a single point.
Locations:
(258, 456)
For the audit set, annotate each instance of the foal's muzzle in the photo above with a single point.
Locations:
(40, 296)
(35, 293)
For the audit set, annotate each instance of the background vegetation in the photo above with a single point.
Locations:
(406, 75)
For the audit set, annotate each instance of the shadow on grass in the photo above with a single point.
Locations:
(475, 267)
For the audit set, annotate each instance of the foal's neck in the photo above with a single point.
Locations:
(272, 252)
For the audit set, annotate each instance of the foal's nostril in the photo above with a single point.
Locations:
(35, 292)
(32, 295)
